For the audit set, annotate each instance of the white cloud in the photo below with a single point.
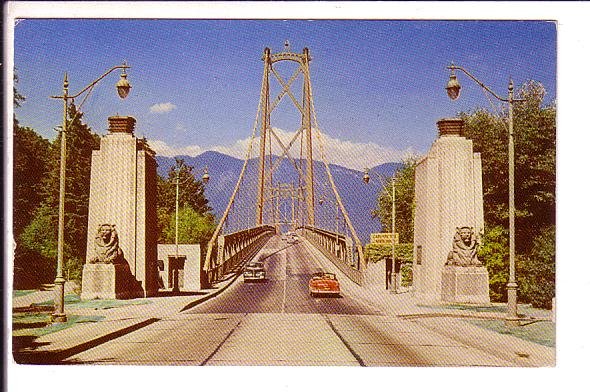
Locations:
(353, 155)
(163, 149)
(162, 107)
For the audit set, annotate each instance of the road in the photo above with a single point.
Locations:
(276, 322)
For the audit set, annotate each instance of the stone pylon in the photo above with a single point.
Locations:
(448, 195)
(123, 194)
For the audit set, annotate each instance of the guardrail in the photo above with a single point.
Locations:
(340, 250)
(228, 251)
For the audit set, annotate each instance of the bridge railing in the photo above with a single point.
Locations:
(227, 252)
(340, 250)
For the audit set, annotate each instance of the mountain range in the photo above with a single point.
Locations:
(358, 197)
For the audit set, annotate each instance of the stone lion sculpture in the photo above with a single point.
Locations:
(106, 246)
(465, 246)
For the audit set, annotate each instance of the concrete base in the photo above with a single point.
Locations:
(375, 275)
(109, 281)
(465, 285)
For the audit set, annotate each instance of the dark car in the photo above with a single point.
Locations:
(254, 271)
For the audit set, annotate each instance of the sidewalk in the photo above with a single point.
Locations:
(109, 322)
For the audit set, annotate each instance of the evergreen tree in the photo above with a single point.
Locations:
(404, 202)
(535, 176)
(41, 234)
(194, 210)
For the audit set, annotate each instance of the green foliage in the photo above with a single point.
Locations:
(536, 271)
(196, 224)
(191, 191)
(535, 168)
(404, 253)
(404, 202)
(493, 253)
(193, 227)
(37, 245)
(376, 252)
(31, 163)
(535, 163)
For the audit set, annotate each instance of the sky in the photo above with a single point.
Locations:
(378, 85)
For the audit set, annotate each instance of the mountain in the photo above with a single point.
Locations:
(358, 198)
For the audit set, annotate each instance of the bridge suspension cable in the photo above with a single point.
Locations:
(272, 197)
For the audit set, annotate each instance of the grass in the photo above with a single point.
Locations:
(21, 293)
(541, 332)
(35, 320)
(39, 323)
(74, 301)
(537, 331)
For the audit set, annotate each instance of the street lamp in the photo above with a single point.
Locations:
(123, 88)
(366, 178)
(453, 89)
(205, 178)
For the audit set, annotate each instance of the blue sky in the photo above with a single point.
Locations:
(378, 84)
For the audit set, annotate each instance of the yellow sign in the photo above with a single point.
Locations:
(383, 238)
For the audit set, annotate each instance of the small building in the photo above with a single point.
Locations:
(179, 270)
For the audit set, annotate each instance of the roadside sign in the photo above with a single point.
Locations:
(383, 238)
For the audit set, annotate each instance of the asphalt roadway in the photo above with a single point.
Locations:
(277, 322)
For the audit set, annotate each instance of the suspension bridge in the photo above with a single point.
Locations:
(260, 209)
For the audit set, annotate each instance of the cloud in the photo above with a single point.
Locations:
(353, 155)
(163, 149)
(162, 107)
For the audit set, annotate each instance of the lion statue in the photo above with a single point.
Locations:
(465, 246)
(106, 246)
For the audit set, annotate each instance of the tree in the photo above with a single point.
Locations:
(194, 208)
(535, 163)
(40, 236)
(30, 165)
(493, 253)
(404, 202)
(193, 227)
(537, 271)
(535, 176)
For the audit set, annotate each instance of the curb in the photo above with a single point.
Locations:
(210, 295)
(55, 357)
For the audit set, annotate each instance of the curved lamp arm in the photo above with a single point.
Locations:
(453, 67)
(92, 84)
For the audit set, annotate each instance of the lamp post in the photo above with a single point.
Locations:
(453, 90)
(123, 88)
(205, 178)
(393, 282)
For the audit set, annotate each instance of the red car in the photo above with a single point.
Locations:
(324, 283)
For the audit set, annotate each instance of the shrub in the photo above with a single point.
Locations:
(493, 253)
(537, 271)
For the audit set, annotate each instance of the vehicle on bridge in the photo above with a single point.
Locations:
(254, 271)
(324, 283)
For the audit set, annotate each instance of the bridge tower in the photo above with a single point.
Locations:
(304, 106)
(235, 236)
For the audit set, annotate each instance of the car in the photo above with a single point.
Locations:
(324, 283)
(254, 271)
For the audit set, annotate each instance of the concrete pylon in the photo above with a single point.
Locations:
(449, 195)
(123, 194)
